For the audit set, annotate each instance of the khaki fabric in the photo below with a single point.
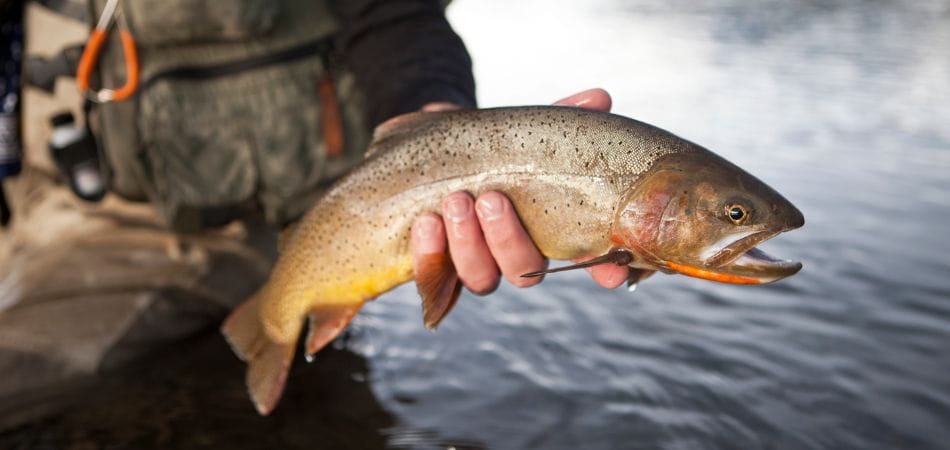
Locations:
(87, 288)
(248, 134)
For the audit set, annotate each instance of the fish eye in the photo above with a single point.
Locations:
(737, 214)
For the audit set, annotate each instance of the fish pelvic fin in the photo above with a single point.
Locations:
(439, 285)
(326, 323)
(268, 361)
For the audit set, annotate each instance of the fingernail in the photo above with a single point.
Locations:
(457, 209)
(425, 227)
(489, 207)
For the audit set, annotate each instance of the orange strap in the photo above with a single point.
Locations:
(330, 121)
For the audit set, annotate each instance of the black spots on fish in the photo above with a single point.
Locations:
(577, 150)
(564, 133)
(542, 140)
(545, 210)
(578, 223)
(522, 145)
(582, 203)
(587, 164)
(534, 200)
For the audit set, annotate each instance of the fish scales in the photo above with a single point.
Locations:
(561, 167)
(584, 183)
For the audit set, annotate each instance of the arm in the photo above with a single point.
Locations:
(404, 55)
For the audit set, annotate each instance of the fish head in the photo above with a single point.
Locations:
(697, 214)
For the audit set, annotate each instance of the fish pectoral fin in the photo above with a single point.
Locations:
(619, 257)
(268, 361)
(439, 286)
(635, 276)
(326, 323)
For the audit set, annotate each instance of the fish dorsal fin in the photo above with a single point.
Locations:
(283, 238)
(396, 126)
(439, 286)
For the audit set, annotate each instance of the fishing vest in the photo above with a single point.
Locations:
(229, 112)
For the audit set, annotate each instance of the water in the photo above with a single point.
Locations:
(840, 105)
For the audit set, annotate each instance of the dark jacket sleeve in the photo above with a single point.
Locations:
(404, 54)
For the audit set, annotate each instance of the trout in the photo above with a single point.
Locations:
(584, 184)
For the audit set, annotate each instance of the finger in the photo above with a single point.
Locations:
(427, 237)
(473, 260)
(609, 276)
(509, 243)
(596, 98)
(439, 106)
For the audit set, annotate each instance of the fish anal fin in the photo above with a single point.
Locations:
(326, 323)
(396, 126)
(268, 361)
(439, 286)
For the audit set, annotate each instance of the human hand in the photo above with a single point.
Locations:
(485, 237)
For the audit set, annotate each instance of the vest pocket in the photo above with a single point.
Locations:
(166, 22)
(226, 140)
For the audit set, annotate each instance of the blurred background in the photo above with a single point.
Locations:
(841, 105)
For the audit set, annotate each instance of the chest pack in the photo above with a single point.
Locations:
(238, 105)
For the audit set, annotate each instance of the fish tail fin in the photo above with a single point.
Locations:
(326, 323)
(268, 361)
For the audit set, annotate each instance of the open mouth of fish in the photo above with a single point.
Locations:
(741, 262)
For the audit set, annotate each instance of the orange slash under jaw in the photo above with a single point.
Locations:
(713, 276)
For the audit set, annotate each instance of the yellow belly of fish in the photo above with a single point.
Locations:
(283, 317)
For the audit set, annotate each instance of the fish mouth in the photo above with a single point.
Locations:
(742, 263)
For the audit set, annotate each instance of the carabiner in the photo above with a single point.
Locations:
(90, 57)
